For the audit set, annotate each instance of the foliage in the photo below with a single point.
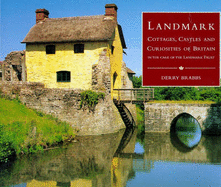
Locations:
(176, 93)
(6, 148)
(183, 101)
(23, 130)
(210, 93)
(140, 122)
(90, 98)
(137, 81)
(183, 93)
(186, 122)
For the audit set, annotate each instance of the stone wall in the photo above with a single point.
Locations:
(101, 74)
(65, 105)
(101, 79)
(159, 116)
(127, 84)
(13, 65)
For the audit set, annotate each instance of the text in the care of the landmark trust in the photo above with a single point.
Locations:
(188, 40)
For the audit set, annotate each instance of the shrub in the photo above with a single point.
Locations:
(6, 149)
(90, 98)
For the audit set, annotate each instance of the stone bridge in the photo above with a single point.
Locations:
(159, 116)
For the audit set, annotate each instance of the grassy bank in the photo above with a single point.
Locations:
(23, 130)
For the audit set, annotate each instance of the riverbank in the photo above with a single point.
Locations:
(23, 130)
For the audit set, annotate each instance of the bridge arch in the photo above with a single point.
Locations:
(192, 111)
(174, 121)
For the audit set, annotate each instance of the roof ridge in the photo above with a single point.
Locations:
(76, 17)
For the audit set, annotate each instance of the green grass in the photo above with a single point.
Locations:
(24, 131)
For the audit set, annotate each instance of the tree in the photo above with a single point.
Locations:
(182, 93)
(137, 82)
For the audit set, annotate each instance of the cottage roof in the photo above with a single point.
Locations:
(130, 71)
(74, 29)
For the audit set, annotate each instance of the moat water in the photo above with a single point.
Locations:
(183, 158)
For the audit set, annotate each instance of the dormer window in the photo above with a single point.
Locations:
(63, 76)
(78, 48)
(50, 49)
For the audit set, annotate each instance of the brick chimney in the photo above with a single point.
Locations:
(41, 14)
(111, 10)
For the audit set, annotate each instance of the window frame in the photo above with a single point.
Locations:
(79, 48)
(50, 49)
(63, 76)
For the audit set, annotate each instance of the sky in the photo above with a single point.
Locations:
(17, 17)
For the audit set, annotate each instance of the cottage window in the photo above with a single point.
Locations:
(50, 49)
(63, 76)
(0, 75)
(79, 48)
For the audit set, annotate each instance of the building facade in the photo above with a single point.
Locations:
(61, 52)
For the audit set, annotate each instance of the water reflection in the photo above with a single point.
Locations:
(91, 161)
(99, 161)
(186, 130)
(139, 148)
(165, 165)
